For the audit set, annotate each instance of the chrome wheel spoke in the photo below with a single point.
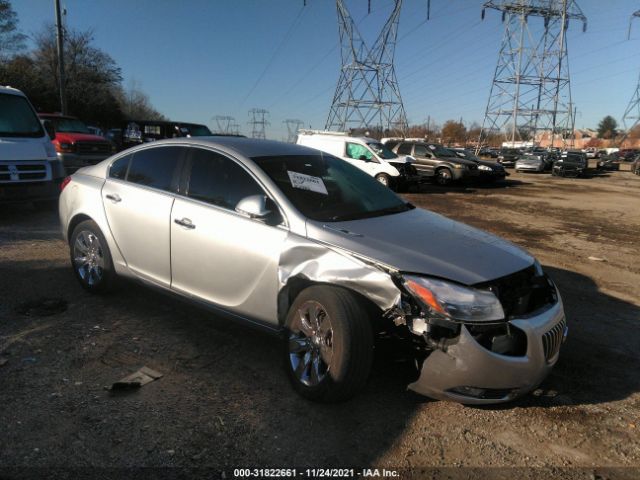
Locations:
(315, 369)
(303, 366)
(299, 345)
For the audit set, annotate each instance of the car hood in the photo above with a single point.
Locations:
(424, 242)
(69, 137)
(24, 148)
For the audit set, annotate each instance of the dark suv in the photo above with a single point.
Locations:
(508, 157)
(135, 132)
(437, 162)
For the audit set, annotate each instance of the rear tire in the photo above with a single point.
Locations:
(329, 344)
(91, 259)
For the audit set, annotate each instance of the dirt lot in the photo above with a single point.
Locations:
(225, 401)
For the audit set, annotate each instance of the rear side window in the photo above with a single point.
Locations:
(156, 167)
(404, 149)
(119, 168)
(219, 180)
(421, 151)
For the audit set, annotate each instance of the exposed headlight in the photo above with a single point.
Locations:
(454, 302)
(484, 167)
(64, 147)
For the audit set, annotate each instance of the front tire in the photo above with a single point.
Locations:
(91, 258)
(329, 344)
(384, 179)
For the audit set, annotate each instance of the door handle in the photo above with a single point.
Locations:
(185, 222)
(114, 197)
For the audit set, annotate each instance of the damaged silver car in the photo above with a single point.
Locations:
(302, 243)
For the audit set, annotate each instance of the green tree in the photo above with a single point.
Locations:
(608, 127)
(11, 40)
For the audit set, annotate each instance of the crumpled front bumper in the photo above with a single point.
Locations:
(468, 364)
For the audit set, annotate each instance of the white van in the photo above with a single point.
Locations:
(29, 167)
(367, 154)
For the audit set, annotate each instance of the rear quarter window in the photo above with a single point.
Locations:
(156, 167)
(119, 168)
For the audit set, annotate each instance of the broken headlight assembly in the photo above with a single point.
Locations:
(444, 300)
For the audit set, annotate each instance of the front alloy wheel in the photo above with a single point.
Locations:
(329, 343)
(384, 179)
(311, 343)
(444, 176)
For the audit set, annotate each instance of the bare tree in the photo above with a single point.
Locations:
(135, 104)
(11, 40)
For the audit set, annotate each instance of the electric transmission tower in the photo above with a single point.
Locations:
(631, 116)
(258, 122)
(293, 125)
(224, 124)
(367, 96)
(531, 90)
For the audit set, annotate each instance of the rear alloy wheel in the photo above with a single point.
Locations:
(384, 179)
(329, 347)
(443, 176)
(91, 258)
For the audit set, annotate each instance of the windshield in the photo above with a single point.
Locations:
(195, 130)
(68, 125)
(382, 151)
(439, 151)
(17, 118)
(327, 189)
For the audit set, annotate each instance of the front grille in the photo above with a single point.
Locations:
(24, 172)
(405, 169)
(552, 340)
(93, 148)
(523, 292)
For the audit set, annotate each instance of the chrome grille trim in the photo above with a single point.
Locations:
(552, 339)
(93, 148)
(21, 172)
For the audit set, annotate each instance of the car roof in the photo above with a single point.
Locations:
(11, 91)
(249, 147)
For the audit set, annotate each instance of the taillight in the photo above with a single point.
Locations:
(64, 183)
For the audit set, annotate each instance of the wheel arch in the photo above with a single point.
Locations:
(295, 285)
(75, 221)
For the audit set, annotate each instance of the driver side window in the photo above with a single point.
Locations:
(358, 152)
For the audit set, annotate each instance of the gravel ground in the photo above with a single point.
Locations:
(224, 399)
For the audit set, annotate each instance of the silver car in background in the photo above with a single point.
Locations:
(306, 245)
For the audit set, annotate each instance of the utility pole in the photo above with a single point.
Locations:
(293, 125)
(631, 116)
(224, 124)
(258, 122)
(60, 49)
(531, 87)
(367, 96)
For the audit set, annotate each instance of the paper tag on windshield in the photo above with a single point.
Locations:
(307, 182)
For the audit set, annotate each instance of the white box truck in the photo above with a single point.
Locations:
(368, 154)
(29, 167)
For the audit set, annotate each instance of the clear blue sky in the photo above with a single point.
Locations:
(199, 58)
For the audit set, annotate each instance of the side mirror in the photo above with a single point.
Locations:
(253, 206)
(50, 129)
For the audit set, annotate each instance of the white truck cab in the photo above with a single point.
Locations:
(29, 167)
(366, 153)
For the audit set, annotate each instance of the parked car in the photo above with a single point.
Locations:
(535, 162)
(368, 154)
(487, 171)
(29, 167)
(570, 164)
(628, 154)
(340, 260)
(591, 152)
(609, 163)
(488, 152)
(435, 161)
(635, 166)
(75, 144)
(508, 157)
(135, 132)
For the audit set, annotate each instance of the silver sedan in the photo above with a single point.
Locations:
(303, 244)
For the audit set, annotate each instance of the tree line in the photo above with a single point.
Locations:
(93, 80)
